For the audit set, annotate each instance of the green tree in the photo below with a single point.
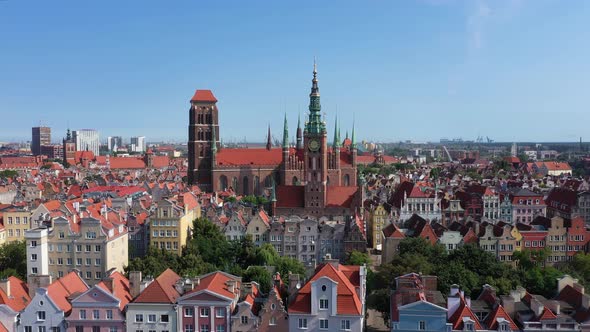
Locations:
(13, 260)
(287, 265)
(357, 258)
(261, 275)
(8, 174)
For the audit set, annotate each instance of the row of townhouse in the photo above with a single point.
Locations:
(563, 237)
(333, 298)
(417, 305)
(475, 201)
(305, 239)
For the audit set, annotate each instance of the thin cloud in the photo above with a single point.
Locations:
(476, 24)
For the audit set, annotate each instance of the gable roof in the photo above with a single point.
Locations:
(216, 283)
(62, 289)
(348, 302)
(161, 290)
(463, 311)
(19, 295)
(498, 314)
(121, 289)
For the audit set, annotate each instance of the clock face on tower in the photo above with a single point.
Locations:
(314, 145)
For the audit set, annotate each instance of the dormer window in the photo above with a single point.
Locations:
(324, 304)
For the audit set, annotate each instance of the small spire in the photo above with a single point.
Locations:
(346, 133)
(285, 134)
(353, 141)
(335, 144)
(268, 139)
(273, 194)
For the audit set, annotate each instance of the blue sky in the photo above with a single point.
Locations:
(420, 70)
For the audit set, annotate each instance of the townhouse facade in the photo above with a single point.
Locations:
(91, 246)
(332, 299)
(172, 222)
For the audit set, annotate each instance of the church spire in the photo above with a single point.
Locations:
(268, 139)
(315, 125)
(285, 134)
(299, 133)
(336, 133)
(353, 141)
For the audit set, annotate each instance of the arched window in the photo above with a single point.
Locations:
(346, 180)
(223, 182)
(256, 185)
(295, 181)
(327, 180)
(245, 186)
(234, 184)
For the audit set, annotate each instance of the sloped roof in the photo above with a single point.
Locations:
(463, 311)
(19, 295)
(121, 291)
(499, 313)
(348, 302)
(204, 95)
(244, 157)
(216, 282)
(161, 290)
(60, 290)
(340, 196)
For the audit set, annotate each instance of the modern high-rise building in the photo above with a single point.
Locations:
(114, 142)
(138, 144)
(41, 136)
(87, 140)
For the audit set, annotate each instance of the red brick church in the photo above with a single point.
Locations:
(310, 178)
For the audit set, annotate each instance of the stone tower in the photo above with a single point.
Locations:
(203, 135)
(315, 152)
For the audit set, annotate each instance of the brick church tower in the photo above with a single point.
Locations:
(315, 151)
(203, 133)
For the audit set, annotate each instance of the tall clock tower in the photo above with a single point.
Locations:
(315, 151)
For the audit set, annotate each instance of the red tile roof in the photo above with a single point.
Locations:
(19, 295)
(121, 291)
(204, 95)
(348, 302)
(547, 315)
(216, 282)
(463, 311)
(64, 288)
(340, 196)
(239, 157)
(160, 290)
(499, 312)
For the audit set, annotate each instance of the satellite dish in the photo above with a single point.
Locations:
(298, 286)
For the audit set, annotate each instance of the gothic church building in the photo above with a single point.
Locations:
(311, 178)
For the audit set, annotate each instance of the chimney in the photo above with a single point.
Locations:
(37, 281)
(468, 301)
(508, 304)
(188, 285)
(334, 262)
(5, 286)
(231, 286)
(454, 290)
(135, 283)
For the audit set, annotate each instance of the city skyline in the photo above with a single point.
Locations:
(420, 71)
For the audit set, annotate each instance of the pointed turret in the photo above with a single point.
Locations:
(285, 134)
(315, 125)
(353, 147)
(268, 139)
(299, 133)
(336, 143)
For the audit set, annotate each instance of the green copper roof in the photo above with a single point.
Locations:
(314, 124)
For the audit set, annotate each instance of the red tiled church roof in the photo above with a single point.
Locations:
(204, 95)
(238, 157)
